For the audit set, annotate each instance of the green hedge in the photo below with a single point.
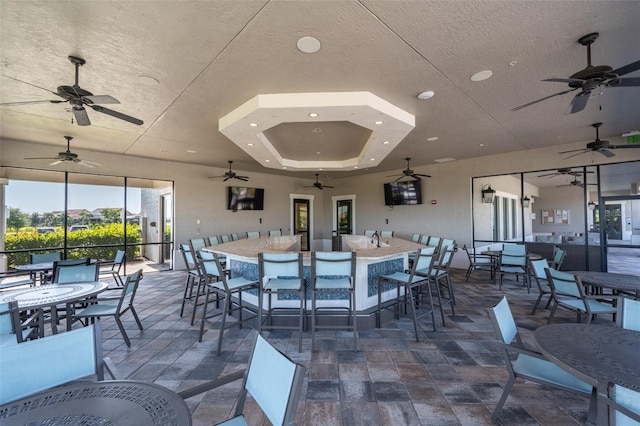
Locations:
(85, 241)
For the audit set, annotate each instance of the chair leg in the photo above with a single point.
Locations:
(352, 311)
(313, 320)
(225, 309)
(553, 312)
(135, 315)
(122, 330)
(503, 398)
(301, 319)
(204, 315)
(188, 291)
(535, 305)
(468, 274)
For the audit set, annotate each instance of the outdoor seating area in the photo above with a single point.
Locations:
(403, 371)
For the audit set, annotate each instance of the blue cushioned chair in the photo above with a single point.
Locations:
(537, 268)
(528, 364)
(281, 273)
(65, 274)
(12, 331)
(114, 267)
(41, 364)
(273, 380)
(513, 260)
(617, 405)
(629, 316)
(275, 233)
(253, 234)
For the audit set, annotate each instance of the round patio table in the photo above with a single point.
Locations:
(111, 402)
(51, 295)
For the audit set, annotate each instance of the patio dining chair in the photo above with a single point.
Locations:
(558, 257)
(273, 381)
(527, 364)
(275, 233)
(44, 258)
(81, 272)
(513, 261)
(253, 234)
(192, 277)
(13, 329)
(117, 308)
(479, 262)
(567, 291)
(113, 268)
(41, 364)
(617, 405)
(369, 233)
(629, 315)
(386, 234)
(537, 268)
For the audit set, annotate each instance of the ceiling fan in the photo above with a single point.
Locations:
(231, 175)
(78, 98)
(409, 173)
(67, 156)
(598, 145)
(591, 78)
(318, 185)
(576, 182)
(565, 171)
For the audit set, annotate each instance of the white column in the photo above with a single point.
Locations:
(3, 223)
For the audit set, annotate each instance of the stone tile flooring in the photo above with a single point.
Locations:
(450, 377)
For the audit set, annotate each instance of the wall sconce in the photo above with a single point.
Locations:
(591, 205)
(526, 202)
(487, 194)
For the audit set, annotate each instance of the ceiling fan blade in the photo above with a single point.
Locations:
(624, 146)
(31, 102)
(89, 164)
(606, 153)
(82, 118)
(38, 87)
(242, 178)
(571, 156)
(42, 158)
(550, 174)
(543, 99)
(564, 80)
(417, 174)
(579, 102)
(624, 82)
(574, 150)
(226, 179)
(395, 175)
(626, 69)
(117, 114)
(101, 99)
(56, 163)
(327, 186)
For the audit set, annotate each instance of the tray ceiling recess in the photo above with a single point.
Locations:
(289, 117)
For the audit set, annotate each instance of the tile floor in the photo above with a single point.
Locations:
(451, 377)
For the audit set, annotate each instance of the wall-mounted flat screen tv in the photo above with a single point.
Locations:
(243, 198)
(403, 193)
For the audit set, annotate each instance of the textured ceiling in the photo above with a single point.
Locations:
(212, 56)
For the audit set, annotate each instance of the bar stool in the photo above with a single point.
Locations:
(411, 282)
(229, 290)
(281, 274)
(333, 273)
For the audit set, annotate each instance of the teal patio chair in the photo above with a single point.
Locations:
(617, 405)
(273, 381)
(528, 364)
(479, 262)
(65, 274)
(253, 234)
(12, 330)
(123, 304)
(192, 277)
(41, 364)
(369, 233)
(629, 315)
(567, 291)
(275, 233)
(537, 268)
(386, 234)
(513, 261)
(114, 267)
(281, 274)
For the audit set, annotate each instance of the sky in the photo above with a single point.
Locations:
(41, 197)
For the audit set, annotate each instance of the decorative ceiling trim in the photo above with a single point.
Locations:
(245, 126)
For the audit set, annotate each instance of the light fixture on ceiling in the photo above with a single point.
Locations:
(308, 44)
(253, 124)
(313, 114)
(444, 160)
(526, 202)
(249, 144)
(147, 81)
(426, 95)
(481, 145)
(487, 194)
(481, 75)
(192, 151)
(378, 122)
(432, 139)
(385, 143)
(513, 63)
(591, 205)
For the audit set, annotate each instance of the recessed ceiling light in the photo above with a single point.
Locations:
(308, 44)
(444, 160)
(267, 161)
(249, 144)
(513, 63)
(481, 75)
(148, 81)
(426, 95)
(316, 130)
(432, 139)
(372, 159)
(318, 153)
(284, 167)
(378, 122)
(385, 143)
(481, 144)
(320, 169)
(355, 167)
(253, 124)
(313, 114)
(192, 151)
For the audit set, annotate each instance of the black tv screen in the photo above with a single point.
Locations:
(403, 193)
(243, 198)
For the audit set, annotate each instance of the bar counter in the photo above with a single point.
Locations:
(372, 261)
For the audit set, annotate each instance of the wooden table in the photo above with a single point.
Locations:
(50, 295)
(117, 402)
(593, 353)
